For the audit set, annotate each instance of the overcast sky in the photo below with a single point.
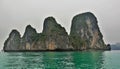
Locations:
(16, 14)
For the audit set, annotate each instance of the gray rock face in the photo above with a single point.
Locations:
(28, 38)
(13, 41)
(56, 35)
(85, 33)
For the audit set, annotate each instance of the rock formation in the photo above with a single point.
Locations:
(85, 34)
(13, 42)
(56, 35)
(28, 38)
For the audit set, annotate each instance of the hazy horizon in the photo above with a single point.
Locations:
(17, 14)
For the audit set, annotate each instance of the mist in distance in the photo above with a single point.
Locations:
(17, 14)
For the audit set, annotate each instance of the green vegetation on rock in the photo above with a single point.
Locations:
(84, 34)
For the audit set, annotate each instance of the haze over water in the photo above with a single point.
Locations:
(17, 14)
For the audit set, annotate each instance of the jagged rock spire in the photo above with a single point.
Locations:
(13, 41)
(85, 34)
(85, 30)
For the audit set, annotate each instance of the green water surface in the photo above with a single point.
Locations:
(60, 60)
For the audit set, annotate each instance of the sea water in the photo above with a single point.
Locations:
(60, 60)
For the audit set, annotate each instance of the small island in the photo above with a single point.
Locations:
(84, 35)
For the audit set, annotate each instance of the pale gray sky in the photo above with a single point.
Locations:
(16, 14)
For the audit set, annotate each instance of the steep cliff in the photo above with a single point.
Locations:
(56, 37)
(85, 33)
(13, 41)
(28, 38)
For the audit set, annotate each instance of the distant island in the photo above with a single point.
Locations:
(84, 35)
(115, 46)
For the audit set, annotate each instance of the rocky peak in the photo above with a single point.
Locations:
(84, 34)
(13, 41)
(57, 37)
(85, 30)
(50, 20)
(30, 32)
(84, 20)
(51, 27)
(14, 33)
